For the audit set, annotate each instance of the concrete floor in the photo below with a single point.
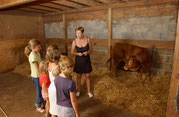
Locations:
(17, 98)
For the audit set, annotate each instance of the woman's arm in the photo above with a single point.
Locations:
(73, 50)
(90, 46)
(36, 64)
(74, 103)
(44, 87)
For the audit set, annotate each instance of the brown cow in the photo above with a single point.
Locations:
(136, 59)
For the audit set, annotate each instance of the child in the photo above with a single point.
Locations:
(33, 55)
(52, 56)
(65, 87)
(44, 83)
(62, 55)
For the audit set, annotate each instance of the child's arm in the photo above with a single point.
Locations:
(74, 103)
(36, 64)
(44, 88)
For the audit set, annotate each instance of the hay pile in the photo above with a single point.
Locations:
(23, 69)
(124, 91)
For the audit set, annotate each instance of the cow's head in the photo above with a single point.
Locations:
(132, 64)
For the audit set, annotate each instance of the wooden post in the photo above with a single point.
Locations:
(173, 82)
(65, 33)
(41, 27)
(109, 35)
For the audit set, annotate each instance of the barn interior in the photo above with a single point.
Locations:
(151, 24)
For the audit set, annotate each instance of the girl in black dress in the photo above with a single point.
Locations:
(81, 47)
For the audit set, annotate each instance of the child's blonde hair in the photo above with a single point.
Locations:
(64, 64)
(53, 53)
(32, 43)
(43, 67)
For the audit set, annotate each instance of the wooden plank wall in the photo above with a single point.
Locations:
(127, 12)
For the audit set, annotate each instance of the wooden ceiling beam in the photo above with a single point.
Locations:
(68, 3)
(45, 8)
(33, 10)
(87, 2)
(104, 1)
(117, 5)
(9, 3)
(57, 6)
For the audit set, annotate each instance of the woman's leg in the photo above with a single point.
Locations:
(78, 82)
(87, 76)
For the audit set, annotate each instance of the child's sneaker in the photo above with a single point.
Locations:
(40, 110)
(90, 95)
(77, 94)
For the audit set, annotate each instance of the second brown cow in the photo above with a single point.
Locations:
(136, 59)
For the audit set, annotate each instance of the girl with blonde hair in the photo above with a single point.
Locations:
(44, 83)
(33, 55)
(53, 56)
(65, 87)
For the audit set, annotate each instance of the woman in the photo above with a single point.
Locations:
(81, 48)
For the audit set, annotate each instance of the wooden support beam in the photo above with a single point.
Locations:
(65, 33)
(68, 3)
(9, 3)
(57, 6)
(50, 9)
(104, 1)
(104, 42)
(87, 2)
(41, 28)
(174, 79)
(117, 5)
(33, 10)
(109, 35)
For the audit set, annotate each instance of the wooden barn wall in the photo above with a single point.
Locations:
(138, 23)
(16, 27)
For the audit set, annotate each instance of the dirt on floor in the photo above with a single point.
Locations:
(18, 98)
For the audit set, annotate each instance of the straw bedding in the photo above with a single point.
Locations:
(124, 91)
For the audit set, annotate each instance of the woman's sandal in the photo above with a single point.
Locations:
(40, 110)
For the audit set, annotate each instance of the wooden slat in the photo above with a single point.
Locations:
(87, 2)
(34, 10)
(31, 11)
(65, 33)
(68, 3)
(57, 6)
(10, 3)
(105, 1)
(140, 43)
(117, 5)
(44, 8)
(109, 34)
(173, 82)
(154, 10)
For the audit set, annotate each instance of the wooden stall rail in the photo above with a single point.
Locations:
(104, 42)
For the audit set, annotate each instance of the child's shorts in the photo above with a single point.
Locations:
(65, 111)
(44, 95)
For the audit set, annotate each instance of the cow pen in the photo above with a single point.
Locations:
(150, 24)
